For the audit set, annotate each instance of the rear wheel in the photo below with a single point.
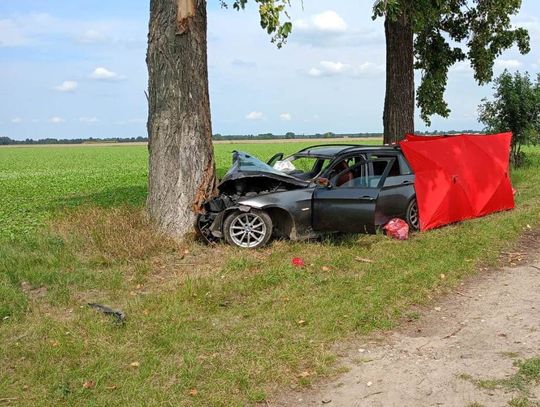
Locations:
(413, 218)
(249, 230)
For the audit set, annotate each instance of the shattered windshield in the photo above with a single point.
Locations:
(247, 163)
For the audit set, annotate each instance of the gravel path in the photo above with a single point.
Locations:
(479, 330)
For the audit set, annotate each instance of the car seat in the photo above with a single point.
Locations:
(346, 177)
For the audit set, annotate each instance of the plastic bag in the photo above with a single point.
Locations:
(297, 262)
(397, 228)
(284, 166)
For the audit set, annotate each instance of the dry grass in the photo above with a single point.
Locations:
(120, 234)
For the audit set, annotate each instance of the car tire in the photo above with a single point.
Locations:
(412, 216)
(248, 230)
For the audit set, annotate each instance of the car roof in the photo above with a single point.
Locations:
(331, 150)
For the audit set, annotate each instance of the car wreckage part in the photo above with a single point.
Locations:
(248, 229)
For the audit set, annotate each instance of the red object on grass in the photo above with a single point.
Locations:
(397, 228)
(298, 262)
(459, 177)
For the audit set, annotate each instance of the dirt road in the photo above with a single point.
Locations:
(478, 332)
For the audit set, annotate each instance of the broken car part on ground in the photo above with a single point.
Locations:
(358, 189)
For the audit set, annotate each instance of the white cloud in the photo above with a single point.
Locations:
(507, 63)
(461, 66)
(285, 116)
(330, 68)
(255, 115)
(104, 74)
(92, 36)
(67, 86)
(88, 120)
(316, 72)
(35, 29)
(11, 35)
(328, 21)
(21, 30)
(530, 23)
(464, 67)
(56, 120)
(16, 120)
(334, 67)
(329, 29)
(243, 64)
(367, 68)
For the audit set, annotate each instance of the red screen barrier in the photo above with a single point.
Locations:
(459, 177)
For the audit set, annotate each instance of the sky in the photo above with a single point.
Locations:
(76, 69)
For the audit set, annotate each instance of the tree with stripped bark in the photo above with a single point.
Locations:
(181, 162)
(181, 159)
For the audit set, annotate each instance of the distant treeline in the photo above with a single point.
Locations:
(4, 141)
(238, 137)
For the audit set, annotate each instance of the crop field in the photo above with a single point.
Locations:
(205, 325)
(37, 182)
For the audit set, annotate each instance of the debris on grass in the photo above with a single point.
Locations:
(297, 262)
(397, 229)
(119, 316)
(89, 384)
(363, 260)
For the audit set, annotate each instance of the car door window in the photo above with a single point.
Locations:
(358, 176)
(378, 167)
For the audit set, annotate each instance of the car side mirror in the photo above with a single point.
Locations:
(323, 182)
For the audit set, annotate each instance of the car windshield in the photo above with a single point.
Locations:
(303, 167)
(247, 163)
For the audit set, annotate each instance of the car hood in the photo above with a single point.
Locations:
(245, 166)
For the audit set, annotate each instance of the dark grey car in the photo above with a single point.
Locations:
(320, 189)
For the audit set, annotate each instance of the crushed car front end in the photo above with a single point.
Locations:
(252, 185)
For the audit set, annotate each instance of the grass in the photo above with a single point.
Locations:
(527, 375)
(36, 183)
(522, 402)
(205, 325)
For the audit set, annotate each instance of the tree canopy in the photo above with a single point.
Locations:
(515, 107)
(450, 31)
(445, 32)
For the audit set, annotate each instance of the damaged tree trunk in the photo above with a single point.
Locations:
(398, 118)
(181, 160)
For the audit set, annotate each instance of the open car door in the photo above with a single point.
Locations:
(348, 203)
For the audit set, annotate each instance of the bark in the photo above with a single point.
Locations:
(399, 101)
(181, 162)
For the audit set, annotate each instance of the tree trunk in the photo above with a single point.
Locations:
(181, 160)
(399, 101)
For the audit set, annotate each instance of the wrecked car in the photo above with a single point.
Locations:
(320, 189)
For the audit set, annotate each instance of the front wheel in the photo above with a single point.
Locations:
(249, 230)
(413, 218)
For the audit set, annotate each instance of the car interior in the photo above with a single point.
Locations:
(356, 172)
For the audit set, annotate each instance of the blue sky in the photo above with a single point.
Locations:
(77, 69)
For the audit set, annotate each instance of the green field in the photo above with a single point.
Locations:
(36, 182)
(206, 325)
